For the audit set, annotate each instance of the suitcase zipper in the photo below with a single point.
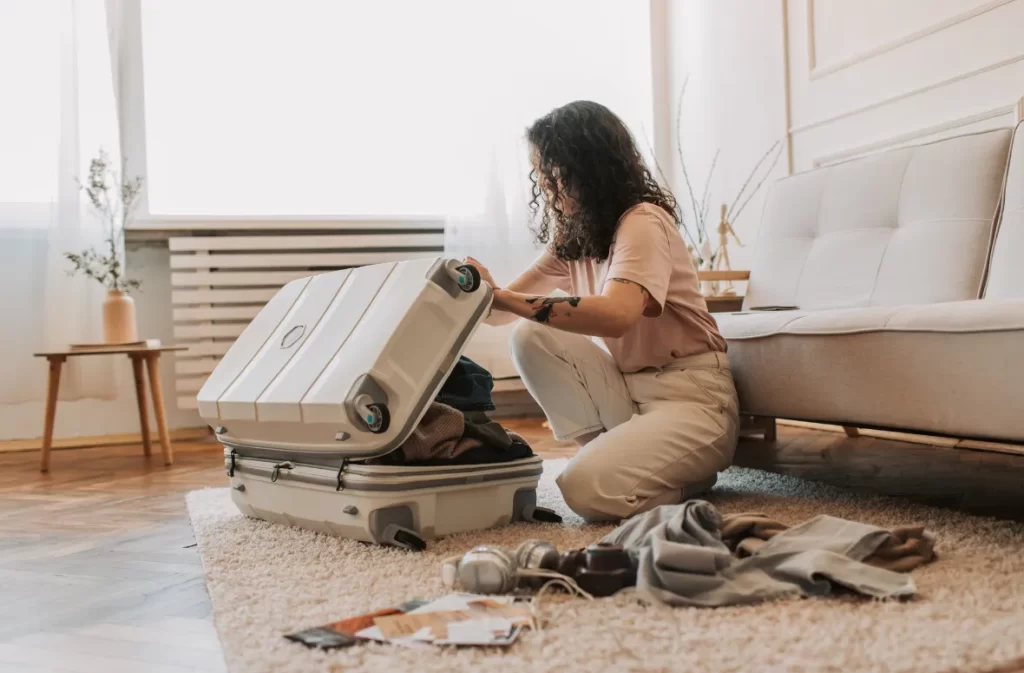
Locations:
(341, 470)
(276, 472)
(235, 455)
(345, 478)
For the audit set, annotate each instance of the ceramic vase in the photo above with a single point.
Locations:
(119, 318)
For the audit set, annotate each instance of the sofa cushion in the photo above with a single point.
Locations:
(910, 225)
(1006, 271)
(934, 368)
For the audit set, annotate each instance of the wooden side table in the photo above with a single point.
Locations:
(140, 356)
(724, 303)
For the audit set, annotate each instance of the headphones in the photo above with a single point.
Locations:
(489, 569)
(600, 569)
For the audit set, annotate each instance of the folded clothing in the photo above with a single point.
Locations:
(682, 558)
(447, 436)
(438, 435)
(468, 387)
(902, 549)
(484, 454)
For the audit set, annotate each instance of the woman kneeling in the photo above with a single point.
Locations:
(651, 402)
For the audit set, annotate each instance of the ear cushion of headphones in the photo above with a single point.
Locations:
(534, 554)
(487, 570)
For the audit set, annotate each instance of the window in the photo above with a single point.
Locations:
(30, 52)
(58, 102)
(353, 108)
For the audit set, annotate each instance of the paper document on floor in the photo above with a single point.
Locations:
(342, 633)
(456, 619)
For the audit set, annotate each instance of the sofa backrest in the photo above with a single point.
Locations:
(907, 226)
(1005, 278)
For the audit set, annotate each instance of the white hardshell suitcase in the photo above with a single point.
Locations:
(339, 368)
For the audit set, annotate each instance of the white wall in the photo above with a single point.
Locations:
(864, 75)
(732, 52)
(870, 74)
(84, 418)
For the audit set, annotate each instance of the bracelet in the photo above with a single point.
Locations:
(490, 309)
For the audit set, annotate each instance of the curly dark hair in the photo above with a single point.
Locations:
(583, 154)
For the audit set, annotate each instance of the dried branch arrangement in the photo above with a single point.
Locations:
(695, 222)
(113, 199)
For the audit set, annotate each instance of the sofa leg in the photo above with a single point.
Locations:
(851, 431)
(757, 426)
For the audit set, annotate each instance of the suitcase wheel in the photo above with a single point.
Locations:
(407, 539)
(378, 418)
(540, 515)
(469, 277)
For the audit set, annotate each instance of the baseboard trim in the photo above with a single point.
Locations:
(913, 438)
(36, 444)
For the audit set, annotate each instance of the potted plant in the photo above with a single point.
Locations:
(113, 199)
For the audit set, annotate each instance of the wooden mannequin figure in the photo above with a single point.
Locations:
(722, 255)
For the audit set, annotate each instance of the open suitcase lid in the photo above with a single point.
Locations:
(343, 365)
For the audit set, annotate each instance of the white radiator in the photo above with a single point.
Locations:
(221, 278)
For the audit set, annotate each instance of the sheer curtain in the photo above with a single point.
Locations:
(547, 54)
(59, 111)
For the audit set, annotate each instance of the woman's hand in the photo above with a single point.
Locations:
(485, 275)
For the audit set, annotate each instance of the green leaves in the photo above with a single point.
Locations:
(113, 199)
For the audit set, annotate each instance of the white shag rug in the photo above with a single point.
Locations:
(266, 580)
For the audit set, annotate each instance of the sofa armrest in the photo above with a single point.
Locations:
(723, 275)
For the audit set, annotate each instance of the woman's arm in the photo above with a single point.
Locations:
(542, 277)
(610, 314)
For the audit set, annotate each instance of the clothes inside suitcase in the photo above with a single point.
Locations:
(338, 370)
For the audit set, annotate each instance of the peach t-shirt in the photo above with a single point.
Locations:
(649, 250)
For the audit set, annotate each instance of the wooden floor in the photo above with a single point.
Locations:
(977, 481)
(98, 571)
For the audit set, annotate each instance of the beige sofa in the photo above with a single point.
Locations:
(908, 271)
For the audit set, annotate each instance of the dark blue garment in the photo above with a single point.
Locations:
(468, 388)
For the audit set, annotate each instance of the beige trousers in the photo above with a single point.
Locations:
(665, 432)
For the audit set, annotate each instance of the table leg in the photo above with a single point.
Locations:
(140, 397)
(52, 387)
(153, 368)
